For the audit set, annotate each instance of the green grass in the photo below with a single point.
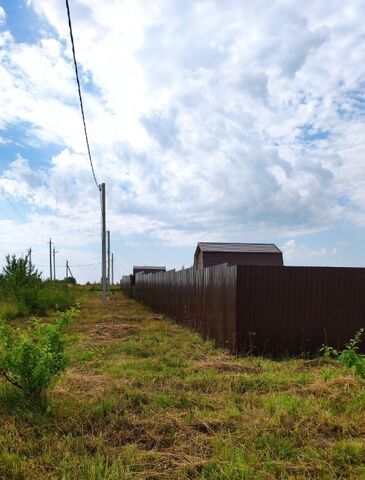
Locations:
(146, 399)
(40, 299)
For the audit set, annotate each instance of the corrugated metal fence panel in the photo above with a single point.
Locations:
(297, 309)
(201, 299)
(126, 285)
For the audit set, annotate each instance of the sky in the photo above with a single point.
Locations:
(212, 120)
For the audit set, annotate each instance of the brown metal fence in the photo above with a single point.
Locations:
(297, 309)
(126, 285)
(204, 300)
(260, 309)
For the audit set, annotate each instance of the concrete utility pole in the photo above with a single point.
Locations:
(103, 242)
(50, 259)
(112, 268)
(108, 239)
(54, 263)
(30, 260)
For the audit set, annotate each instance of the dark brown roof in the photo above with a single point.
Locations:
(149, 267)
(239, 247)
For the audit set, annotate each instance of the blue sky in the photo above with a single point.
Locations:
(208, 120)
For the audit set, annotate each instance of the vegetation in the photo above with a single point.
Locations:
(32, 359)
(146, 399)
(22, 291)
(350, 355)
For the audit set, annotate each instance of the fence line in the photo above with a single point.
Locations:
(204, 300)
(260, 309)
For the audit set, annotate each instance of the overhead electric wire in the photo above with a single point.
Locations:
(26, 225)
(17, 225)
(84, 265)
(80, 95)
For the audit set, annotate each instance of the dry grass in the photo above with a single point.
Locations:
(146, 399)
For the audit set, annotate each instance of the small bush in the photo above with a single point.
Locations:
(32, 360)
(350, 355)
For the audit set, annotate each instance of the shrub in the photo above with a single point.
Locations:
(50, 296)
(9, 311)
(350, 355)
(32, 360)
(22, 287)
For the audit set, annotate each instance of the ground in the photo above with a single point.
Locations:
(146, 399)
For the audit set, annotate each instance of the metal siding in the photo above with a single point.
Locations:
(235, 258)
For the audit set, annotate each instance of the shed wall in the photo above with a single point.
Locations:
(239, 258)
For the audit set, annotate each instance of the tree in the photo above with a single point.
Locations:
(18, 272)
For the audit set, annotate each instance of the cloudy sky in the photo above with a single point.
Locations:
(220, 120)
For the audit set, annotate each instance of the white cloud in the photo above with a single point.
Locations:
(207, 119)
(2, 16)
(298, 254)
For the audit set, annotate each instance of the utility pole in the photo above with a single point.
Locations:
(30, 260)
(66, 268)
(69, 271)
(112, 268)
(108, 238)
(54, 263)
(50, 259)
(103, 242)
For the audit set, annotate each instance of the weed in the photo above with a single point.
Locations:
(350, 355)
(349, 452)
(328, 373)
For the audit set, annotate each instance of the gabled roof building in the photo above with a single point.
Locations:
(208, 254)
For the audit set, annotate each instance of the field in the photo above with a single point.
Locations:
(146, 399)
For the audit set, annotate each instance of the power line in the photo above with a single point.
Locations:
(17, 226)
(84, 265)
(80, 96)
(22, 218)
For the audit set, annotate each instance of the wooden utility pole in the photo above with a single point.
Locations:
(66, 268)
(108, 238)
(50, 259)
(103, 242)
(112, 268)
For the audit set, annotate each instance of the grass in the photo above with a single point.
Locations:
(146, 399)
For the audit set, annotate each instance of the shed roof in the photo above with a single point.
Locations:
(238, 247)
(149, 267)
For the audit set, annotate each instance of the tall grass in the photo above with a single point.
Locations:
(23, 292)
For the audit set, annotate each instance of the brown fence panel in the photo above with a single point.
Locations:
(260, 309)
(297, 309)
(126, 285)
(204, 300)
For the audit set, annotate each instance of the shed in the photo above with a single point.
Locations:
(147, 269)
(208, 254)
